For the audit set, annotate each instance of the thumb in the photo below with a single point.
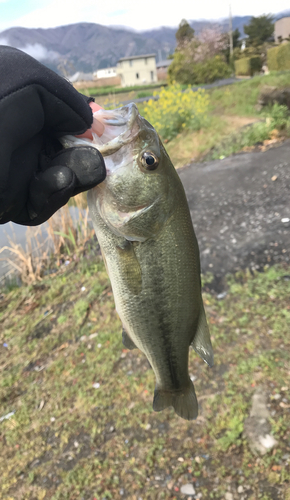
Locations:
(86, 163)
(72, 171)
(48, 191)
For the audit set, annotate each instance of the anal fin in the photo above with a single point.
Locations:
(127, 342)
(201, 342)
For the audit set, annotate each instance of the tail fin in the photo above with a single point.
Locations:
(201, 342)
(184, 402)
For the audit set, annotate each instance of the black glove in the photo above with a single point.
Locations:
(38, 176)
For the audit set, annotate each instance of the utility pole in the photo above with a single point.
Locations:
(231, 34)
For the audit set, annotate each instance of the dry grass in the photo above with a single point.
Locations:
(192, 145)
(28, 263)
(64, 235)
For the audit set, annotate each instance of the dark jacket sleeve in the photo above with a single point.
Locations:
(37, 106)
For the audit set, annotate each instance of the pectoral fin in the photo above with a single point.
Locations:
(127, 342)
(131, 270)
(201, 342)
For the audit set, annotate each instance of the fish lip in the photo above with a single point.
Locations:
(125, 137)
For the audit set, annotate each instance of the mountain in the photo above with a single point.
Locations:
(87, 47)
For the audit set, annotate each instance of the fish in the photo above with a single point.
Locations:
(142, 222)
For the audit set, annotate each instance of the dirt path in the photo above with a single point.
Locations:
(240, 206)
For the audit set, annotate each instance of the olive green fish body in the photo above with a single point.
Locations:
(143, 224)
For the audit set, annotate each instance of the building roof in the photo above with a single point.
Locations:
(283, 17)
(79, 76)
(142, 56)
(164, 63)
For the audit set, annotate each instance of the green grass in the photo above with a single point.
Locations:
(69, 439)
(102, 91)
(241, 98)
(231, 108)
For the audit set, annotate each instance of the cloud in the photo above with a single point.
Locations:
(39, 52)
(35, 50)
(4, 41)
(51, 13)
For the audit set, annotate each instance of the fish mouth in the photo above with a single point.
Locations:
(119, 128)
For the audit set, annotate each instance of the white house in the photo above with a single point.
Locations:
(105, 73)
(137, 70)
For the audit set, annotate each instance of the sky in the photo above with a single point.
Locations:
(139, 15)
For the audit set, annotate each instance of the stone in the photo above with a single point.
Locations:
(229, 496)
(240, 489)
(257, 428)
(272, 95)
(187, 489)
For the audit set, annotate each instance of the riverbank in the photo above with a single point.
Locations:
(76, 407)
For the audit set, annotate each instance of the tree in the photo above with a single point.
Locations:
(198, 59)
(211, 43)
(181, 70)
(184, 34)
(259, 29)
(236, 43)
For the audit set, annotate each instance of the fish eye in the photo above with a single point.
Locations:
(149, 160)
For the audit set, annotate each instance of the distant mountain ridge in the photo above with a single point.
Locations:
(87, 47)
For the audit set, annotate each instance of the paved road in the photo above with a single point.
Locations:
(237, 209)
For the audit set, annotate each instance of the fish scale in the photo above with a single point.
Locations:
(142, 221)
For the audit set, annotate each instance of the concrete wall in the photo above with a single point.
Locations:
(161, 74)
(137, 71)
(101, 82)
(282, 29)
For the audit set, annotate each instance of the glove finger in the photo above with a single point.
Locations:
(87, 164)
(48, 191)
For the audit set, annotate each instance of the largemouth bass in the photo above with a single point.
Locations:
(142, 221)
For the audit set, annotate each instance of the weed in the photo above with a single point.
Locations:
(276, 120)
(177, 110)
(233, 433)
(66, 235)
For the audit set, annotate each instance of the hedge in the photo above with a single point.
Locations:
(278, 58)
(247, 66)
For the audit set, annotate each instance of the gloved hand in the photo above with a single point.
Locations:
(38, 176)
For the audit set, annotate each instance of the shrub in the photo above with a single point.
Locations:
(277, 122)
(177, 110)
(248, 66)
(242, 66)
(272, 62)
(279, 116)
(278, 58)
(212, 69)
(256, 64)
(181, 71)
(189, 73)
